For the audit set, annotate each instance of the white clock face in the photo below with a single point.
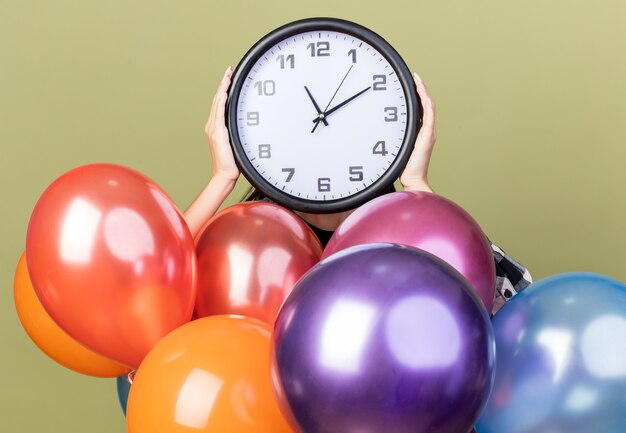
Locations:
(338, 148)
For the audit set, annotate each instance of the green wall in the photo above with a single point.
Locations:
(531, 106)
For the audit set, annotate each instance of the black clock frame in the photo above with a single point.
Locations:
(413, 105)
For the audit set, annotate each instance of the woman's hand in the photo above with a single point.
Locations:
(225, 171)
(415, 174)
(224, 166)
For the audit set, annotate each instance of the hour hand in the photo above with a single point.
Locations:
(320, 115)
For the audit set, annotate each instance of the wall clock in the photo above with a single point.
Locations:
(322, 115)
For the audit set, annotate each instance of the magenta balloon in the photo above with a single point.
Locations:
(428, 222)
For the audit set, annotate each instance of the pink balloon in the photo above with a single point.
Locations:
(429, 222)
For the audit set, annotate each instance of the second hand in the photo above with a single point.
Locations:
(333, 97)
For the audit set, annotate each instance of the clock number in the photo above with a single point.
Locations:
(379, 82)
(380, 149)
(391, 114)
(265, 151)
(319, 49)
(356, 173)
(352, 53)
(291, 172)
(289, 59)
(323, 184)
(267, 88)
(253, 118)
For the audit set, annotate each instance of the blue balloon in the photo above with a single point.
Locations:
(123, 388)
(560, 359)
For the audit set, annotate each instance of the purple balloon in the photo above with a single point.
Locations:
(428, 222)
(383, 338)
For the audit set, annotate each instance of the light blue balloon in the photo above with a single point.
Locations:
(123, 388)
(560, 359)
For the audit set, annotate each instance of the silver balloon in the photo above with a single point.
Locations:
(560, 359)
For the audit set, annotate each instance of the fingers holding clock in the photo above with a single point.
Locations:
(219, 143)
(222, 96)
(428, 107)
(219, 93)
(415, 175)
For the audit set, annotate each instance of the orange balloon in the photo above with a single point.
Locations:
(51, 339)
(250, 256)
(111, 260)
(210, 375)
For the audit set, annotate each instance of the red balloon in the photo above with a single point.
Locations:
(111, 260)
(429, 222)
(250, 256)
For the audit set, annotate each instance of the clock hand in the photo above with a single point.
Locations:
(339, 87)
(319, 112)
(321, 117)
(338, 106)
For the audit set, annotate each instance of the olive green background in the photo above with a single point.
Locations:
(531, 121)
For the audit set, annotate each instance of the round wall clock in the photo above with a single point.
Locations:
(322, 115)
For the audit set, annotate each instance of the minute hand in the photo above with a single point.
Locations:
(341, 104)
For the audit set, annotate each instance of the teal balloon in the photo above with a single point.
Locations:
(123, 388)
(560, 359)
